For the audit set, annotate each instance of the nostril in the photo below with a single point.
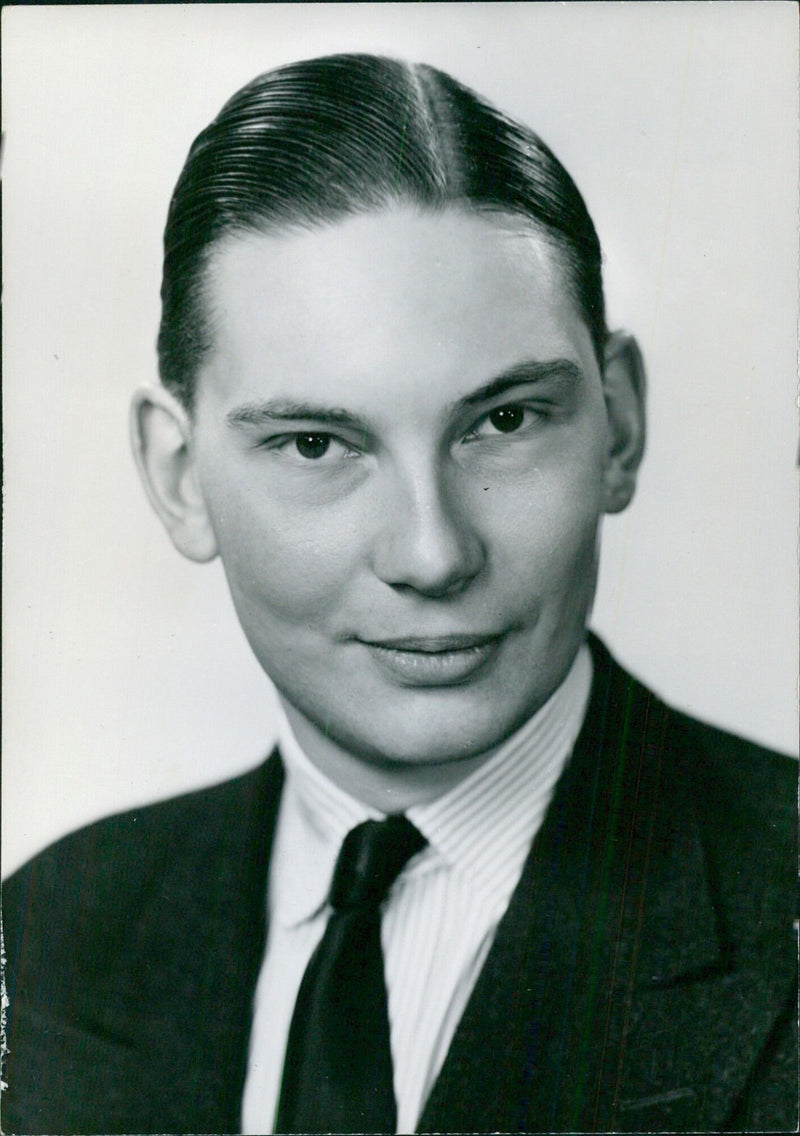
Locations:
(433, 591)
(447, 572)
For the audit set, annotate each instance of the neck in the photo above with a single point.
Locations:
(388, 787)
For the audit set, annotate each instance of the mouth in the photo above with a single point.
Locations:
(430, 661)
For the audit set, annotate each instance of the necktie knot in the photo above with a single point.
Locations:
(371, 858)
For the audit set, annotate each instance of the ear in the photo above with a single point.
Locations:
(624, 391)
(161, 436)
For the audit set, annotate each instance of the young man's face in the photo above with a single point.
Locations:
(401, 441)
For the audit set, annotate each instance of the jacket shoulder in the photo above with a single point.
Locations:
(726, 771)
(121, 862)
(739, 797)
(742, 800)
(116, 939)
(736, 778)
(745, 799)
(741, 773)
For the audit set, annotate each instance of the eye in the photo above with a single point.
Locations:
(304, 447)
(312, 446)
(507, 419)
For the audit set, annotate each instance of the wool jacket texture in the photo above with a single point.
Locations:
(643, 978)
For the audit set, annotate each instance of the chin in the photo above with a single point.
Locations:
(436, 736)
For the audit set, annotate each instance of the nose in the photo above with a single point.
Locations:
(427, 542)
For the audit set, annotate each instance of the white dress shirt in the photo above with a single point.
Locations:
(440, 916)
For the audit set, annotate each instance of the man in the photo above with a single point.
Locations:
(391, 405)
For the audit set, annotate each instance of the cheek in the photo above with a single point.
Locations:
(282, 568)
(545, 532)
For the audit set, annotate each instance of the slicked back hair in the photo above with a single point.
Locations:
(314, 142)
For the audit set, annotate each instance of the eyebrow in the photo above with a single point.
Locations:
(287, 410)
(529, 371)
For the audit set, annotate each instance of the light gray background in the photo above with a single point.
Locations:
(126, 676)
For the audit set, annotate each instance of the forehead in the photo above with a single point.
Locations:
(394, 296)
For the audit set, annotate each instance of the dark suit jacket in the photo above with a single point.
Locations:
(643, 977)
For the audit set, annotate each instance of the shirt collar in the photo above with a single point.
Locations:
(315, 817)
(482, 827)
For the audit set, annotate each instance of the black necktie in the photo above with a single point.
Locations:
(337, 1074)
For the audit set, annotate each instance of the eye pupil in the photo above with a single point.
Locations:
(312, 445)
(507, 418)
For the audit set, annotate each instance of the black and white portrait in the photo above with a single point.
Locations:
(400, 621)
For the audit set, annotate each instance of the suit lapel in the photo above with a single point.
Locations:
(611, 1000)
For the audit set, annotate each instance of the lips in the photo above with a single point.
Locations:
(430, 661)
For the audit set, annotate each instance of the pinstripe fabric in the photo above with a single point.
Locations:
(441, 915)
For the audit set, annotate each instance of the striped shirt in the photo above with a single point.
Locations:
(441, 915)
